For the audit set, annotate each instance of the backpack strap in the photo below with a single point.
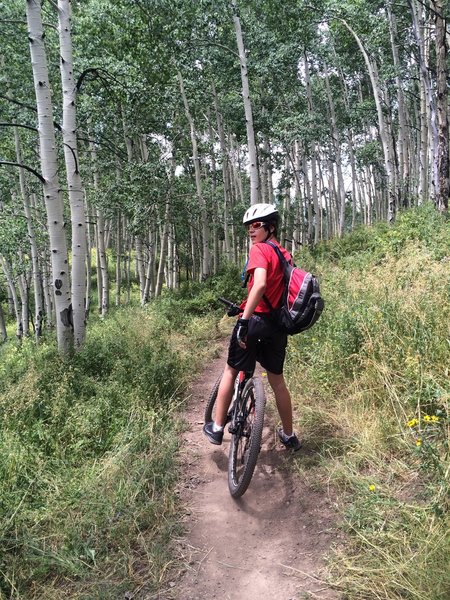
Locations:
(278, 253)
(283, 262)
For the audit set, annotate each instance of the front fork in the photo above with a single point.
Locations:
(237, 408)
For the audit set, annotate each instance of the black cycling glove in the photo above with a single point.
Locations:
(234, 310)
(242, 330)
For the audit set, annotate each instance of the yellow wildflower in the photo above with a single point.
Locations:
(412, 422)
(435, 418)
(427, 418)
(263, 374)
(372, 487)
(418, 442)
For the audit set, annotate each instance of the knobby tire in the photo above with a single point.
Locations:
(246, 442)
(210, 403)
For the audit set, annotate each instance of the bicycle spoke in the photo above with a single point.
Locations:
(246, 440)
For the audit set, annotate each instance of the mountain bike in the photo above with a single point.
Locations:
(246, 421)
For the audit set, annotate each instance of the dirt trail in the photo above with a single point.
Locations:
(270, 543)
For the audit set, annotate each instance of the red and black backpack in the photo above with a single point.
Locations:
(301, 302)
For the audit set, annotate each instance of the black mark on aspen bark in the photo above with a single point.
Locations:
(58, 293)
(67, 316)
(58, 284)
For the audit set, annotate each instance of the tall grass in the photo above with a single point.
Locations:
(371, 383)
(88, 453)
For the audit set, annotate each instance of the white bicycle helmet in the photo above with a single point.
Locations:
(260, 212)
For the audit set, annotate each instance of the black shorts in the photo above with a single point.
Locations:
(265, 344)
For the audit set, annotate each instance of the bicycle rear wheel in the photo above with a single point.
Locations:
(210, 404)
(246, 441)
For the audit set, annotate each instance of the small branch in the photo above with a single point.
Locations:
(19, 22)
(28, 106)
(55, 6)
(74, 157)
(107, 144)
(83, 75)
(200, 43)
(104, 78)
(14, 164)
(18, 125)
(4, 97)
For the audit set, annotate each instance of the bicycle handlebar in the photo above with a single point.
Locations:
(226, 302)
(233, 309)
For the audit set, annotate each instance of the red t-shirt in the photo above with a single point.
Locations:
(263, 256)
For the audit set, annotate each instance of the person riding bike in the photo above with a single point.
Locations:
(255, 337)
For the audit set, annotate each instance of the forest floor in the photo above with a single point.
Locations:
(269, 544)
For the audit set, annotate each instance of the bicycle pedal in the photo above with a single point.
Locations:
(232, 429)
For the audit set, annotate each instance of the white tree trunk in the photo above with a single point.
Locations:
(103, 284)
(314, 221)
(337, 151)
(150, 271)
(74, 184)
(118, 256)
(163, 250)
(48, 295)
(52, 191)
(88, 257)
(3, 332)
(403, 145)
(140, 267)
(442, 159)
(13, 295)
(37, 288)
(205, 264)
(225, 176)
(252, 155)
(426, 84)
(382, 127)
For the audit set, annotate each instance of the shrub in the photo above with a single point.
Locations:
(375, 369)
(87, 454)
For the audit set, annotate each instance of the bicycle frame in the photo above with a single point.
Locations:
(237, 415)
(246, 420)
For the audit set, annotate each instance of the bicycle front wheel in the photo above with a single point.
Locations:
(246, 440)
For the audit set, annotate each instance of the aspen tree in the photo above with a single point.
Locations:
(313, 217)
(253, 160)
(3, 331)
(382, 126)
(16, 305)
(403, 146)
(49, 167)
(340, 196)
(205, 256)
(225, 176)
(426, 87)
(37, 288)
(74, 184)
(442, 72)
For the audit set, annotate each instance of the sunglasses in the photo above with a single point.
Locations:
(256, 225)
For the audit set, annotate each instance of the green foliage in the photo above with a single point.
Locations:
(87, 455)
(196, 299)
(376, 367)
(423, 225)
